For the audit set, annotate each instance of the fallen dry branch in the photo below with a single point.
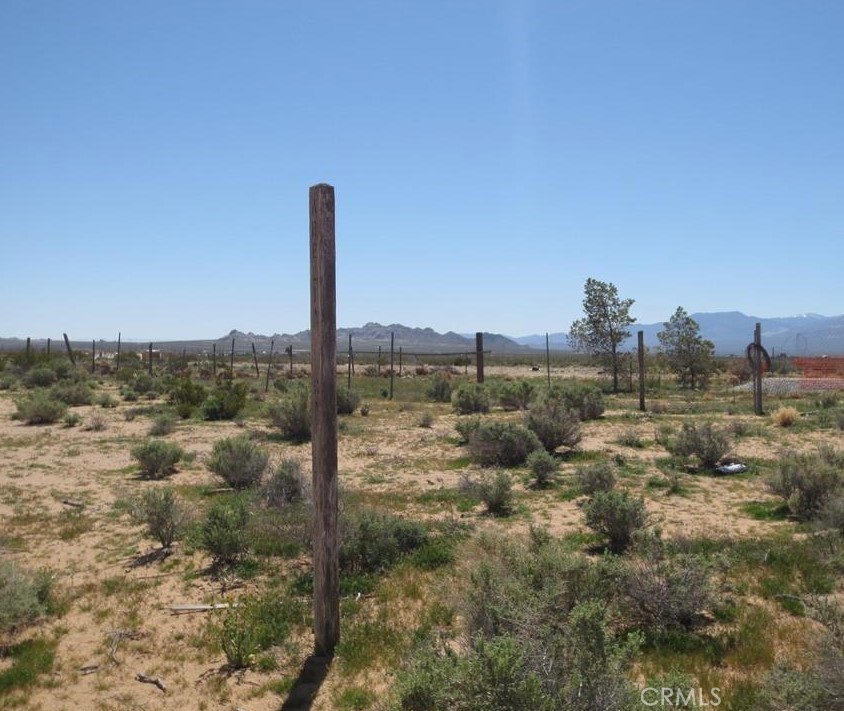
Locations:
(187, 609)
(116, 636)
(154, 680)
(73, 503)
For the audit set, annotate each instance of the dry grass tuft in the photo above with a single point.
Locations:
(785, 416)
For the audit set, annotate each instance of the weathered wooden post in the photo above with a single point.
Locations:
(757, 370)
(48, 347)
(324, 420)
(379, 361)
(290, 353)
(149, 360)
(548, 358)
(213, 360)
(349, 368)
(93, 355)
(231, 366)
(117, 364)
(28, 346)
(255, 358)
(641, 344)
(399, 361)
(269, 365)
(479, 355)
(69, 349)
(392, 361)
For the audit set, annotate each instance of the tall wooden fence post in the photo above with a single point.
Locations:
(379, 361)
(48, 347)
(149, 360)
(255, 358)
(117, 364)
(548, 358)
(479, 355)
(28, 347)
(641, 345)
(69, 349)
(757, 370)
(392, 361)
(231, 366)
(269, 366)
(324, 420)
(214, 360)
(349, 367)
(93, 355)
(400, 361)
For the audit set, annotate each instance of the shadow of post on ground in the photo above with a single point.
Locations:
(308, 683)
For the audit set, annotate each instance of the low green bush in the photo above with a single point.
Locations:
(371, 541)
(162, 425)
(705, 441)
(809, 483)
(496, 491)
(157, 458)
(164, 514)
(586, 399)
(467, 426)
(39, 377)
(439, 389)
(292, 414)
(596, 477)
(498, 443)
(224, 531)
(554, 424)
(25, 596)
(516, 395)
(73, 394)
(238, 461)
(543, 466)
(347, 401)
(226, 401)
(286, 485)
(38, 408)
(616, 515)
(187, 395)
(470, 398)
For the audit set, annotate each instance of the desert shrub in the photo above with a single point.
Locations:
(426, 419)
(439, 389)
(163, 513)
(286, 485)
(157, 458)
(39, 377)
(617, 516)
(808, 482)
(226, 401)
(187, 395)
(596, 477)
(239, 461)
(371, 541)
(585, 399)
(516, 395)
(466, 427)
(8, 382)
(364, 409)
(542, 465)
(96, 423)
(347, 401)
(162, 425)
(72, 394)
(496, 491)
(292, 414)
(703, 440)
(224, 532)
(144, 383)
(71, 419)
(785, 416)
(470, 398)
(25, 596)
(38, 408)
(128, 394)
(667, 592)
(105, 400)
(505, 444)
(554, 424)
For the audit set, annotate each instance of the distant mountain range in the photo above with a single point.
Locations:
(808, 334)
(731, 331)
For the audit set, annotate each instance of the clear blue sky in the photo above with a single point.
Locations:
(488, 156)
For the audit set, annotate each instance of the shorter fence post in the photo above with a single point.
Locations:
(479, 355)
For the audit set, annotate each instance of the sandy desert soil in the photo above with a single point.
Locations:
(63, 495)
